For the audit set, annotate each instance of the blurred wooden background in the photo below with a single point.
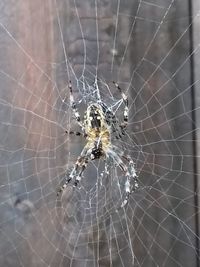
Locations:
(164, 231)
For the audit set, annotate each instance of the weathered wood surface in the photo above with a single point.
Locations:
(195, 6)
(28, 135)
(166, 130)
(32, 229)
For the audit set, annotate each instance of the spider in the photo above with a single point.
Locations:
(99, 127)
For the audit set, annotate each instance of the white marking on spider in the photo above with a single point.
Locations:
(124, 96)
(71, 98)
(127, 186)
(77, 114)
(78, 178)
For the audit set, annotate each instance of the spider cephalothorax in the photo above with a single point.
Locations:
(94, 116)
(100, 126)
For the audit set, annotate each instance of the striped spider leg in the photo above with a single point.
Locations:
(78, 169)
(131, 183)
(125, 100)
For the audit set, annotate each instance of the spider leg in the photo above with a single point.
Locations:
(125, 100)
(116, 128)
(73, 172)
(82, 164)
(74, 107)
(75, 133)
(129, 173)
(78, 169)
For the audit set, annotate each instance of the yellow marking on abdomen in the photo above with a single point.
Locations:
(103, 134)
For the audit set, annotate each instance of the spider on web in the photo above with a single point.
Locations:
(99, 126)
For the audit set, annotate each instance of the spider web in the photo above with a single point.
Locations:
(151, 48)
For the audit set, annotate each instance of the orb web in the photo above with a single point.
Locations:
(151, 49)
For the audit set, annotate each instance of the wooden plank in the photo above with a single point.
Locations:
(163, 113)
(195, 7)
(27, 134)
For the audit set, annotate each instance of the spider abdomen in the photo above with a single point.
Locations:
(97, 152)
